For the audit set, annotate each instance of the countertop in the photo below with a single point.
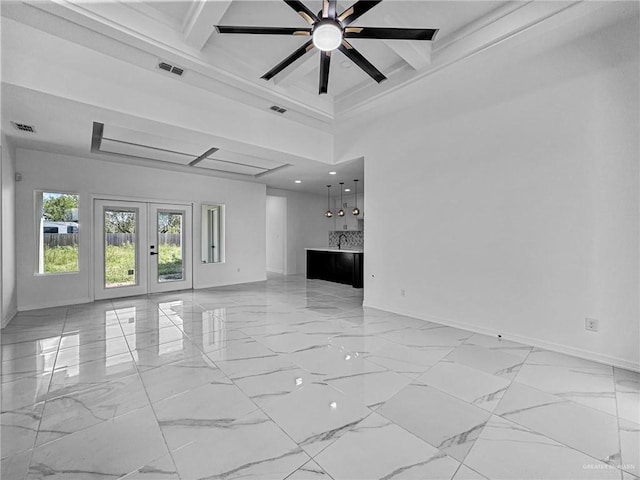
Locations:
(334, 249)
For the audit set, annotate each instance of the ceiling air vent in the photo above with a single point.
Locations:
(171, 68)
(278, 109)
(23, 127)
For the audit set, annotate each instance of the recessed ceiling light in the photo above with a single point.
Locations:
(347, 189)
(333, 173)
(297, 181)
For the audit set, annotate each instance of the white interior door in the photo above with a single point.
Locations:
(141, 248)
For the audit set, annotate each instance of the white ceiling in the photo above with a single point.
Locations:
(137, 35)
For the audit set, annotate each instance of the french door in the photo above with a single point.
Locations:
(141, 248)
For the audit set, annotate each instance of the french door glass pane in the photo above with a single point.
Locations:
(120, 249)
(170, 246)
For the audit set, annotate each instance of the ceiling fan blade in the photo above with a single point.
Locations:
(264, 30)
(357, 10)
(391, 33)
(289, 60)
(357, 58)
(329, 9)
(303, 11)
(325, 59)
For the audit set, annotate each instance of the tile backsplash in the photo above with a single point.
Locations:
(354, 239)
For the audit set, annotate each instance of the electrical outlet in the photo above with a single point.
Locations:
(591, 324)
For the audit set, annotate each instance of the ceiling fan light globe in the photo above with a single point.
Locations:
(327, 36)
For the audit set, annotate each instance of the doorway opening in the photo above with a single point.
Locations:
(276, 234)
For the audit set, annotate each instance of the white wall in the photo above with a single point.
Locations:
(245, 220)
(8, 242)
(276, 234)
(307, 226)
(515, 196)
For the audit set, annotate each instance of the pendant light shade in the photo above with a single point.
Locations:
(328, 213)
(356, 210)
(341, 211)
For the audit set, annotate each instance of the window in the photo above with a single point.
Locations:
(213, 233)
(57, 215)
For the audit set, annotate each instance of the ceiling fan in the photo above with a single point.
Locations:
(329, 32)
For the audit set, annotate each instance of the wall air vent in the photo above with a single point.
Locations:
(278, 109)
(171, 68)
(23, 127)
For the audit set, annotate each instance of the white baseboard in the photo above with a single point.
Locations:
(534, 342)
(226, 284)
(8, 317)
(64, 303)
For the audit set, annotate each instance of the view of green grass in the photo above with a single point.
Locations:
(119, 260)
(61, 259)
(170, 262)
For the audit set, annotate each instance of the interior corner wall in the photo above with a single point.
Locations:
(518, 212)
(307, 227)
(244, 220)
(8, 233)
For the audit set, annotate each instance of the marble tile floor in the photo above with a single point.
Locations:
(293, 379)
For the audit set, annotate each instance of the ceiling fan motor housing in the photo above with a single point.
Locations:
(327, 34)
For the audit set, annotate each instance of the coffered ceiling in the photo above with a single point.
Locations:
(182, 33)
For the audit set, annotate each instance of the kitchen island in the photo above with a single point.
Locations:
(335, 265)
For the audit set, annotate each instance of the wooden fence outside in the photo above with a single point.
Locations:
(117, 239)
(60, 240)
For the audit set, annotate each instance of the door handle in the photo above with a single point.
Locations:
(152, 253)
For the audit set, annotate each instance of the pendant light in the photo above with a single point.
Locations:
(328, 213)
(356, 210)
(341, 211)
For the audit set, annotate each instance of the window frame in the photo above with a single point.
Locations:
(40, 266)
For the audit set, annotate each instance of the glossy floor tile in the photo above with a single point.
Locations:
(506, 450)
(378, 448)
(293, 379)
(582, 428)
(453, 429)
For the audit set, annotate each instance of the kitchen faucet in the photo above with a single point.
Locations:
(340, 240)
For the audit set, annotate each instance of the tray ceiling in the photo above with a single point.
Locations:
(115, 140)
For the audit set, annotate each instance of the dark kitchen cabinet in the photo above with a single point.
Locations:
(335, 266)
